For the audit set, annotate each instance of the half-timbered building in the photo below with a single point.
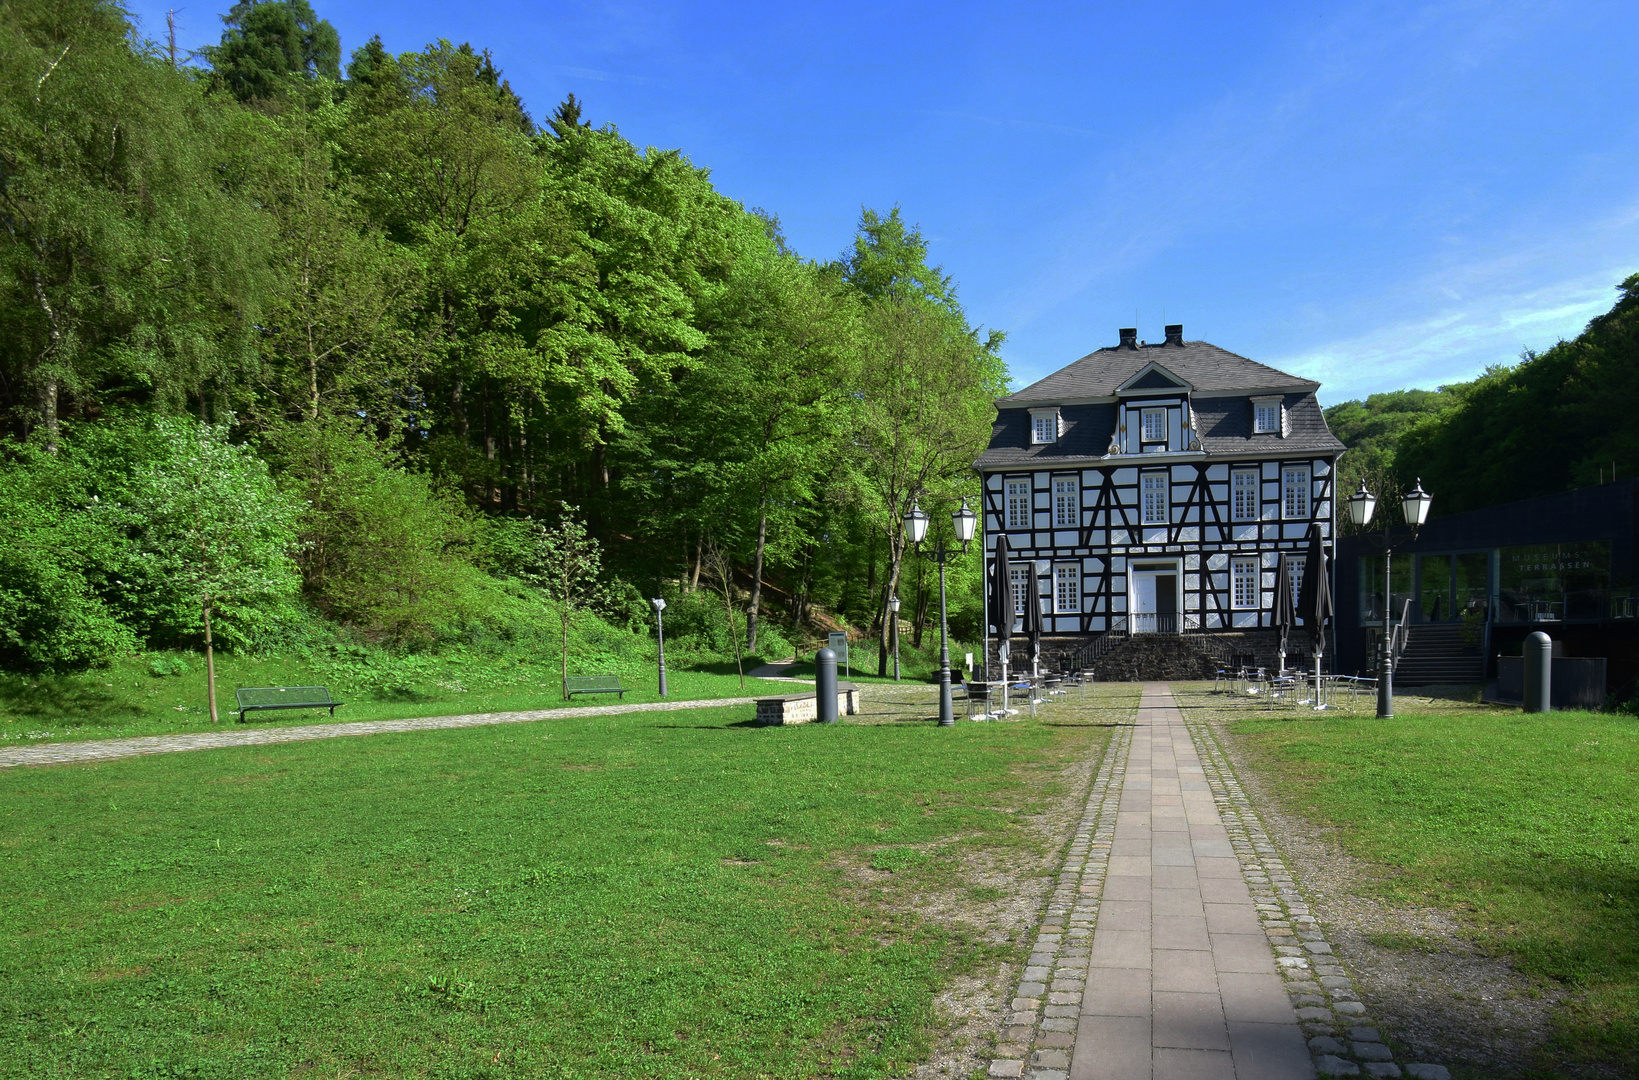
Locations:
(1152, 489)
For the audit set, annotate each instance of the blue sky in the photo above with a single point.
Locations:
(1374, 195)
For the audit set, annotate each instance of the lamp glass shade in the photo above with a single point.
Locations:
(916, 524)
(893, 604)
(964, 521)
(1416, 504)
(1361, 505)
(659, 604)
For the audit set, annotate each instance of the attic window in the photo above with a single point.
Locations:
(1044, 426)
(1266, 416)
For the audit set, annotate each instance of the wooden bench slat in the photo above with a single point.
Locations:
(265, 698)
(595, 684)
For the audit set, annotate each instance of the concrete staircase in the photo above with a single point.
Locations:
(1438, 653)
(1154, 658)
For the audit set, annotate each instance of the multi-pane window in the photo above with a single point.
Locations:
(1067, 588)
(1021, 581)
(1018, 504)
(1046, 427)
(1266, 417)
(1155, 425)
(1244, 495)
(1295, 491)
(1244, 583)
(1066, 503)
(1294, 569)
(1156, 511)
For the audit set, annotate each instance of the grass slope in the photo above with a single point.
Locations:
(1528, 824)
(618, 896)
(129, 698)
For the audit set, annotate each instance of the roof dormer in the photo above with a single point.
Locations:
(1153, 378)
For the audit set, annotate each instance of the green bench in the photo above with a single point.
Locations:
(257, 698)
(595, 684)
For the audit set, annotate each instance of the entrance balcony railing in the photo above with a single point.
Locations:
(1152, 622)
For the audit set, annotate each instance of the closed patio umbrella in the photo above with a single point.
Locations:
(1315, 598)
(1001, 601)
(1285, 616)
(1033, 621)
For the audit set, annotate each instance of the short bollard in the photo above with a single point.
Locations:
(1539, 673)
(825, 686)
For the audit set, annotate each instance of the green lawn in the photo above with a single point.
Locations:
(639, 895)
(129, 698)
(1529, 825)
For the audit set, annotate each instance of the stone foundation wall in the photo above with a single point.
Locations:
(1226, 648)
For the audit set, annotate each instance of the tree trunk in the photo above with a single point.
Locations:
(884, 639)
(49, 392)
(756, 580)
(699, 557)
(210, 663)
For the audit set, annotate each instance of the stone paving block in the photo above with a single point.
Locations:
(1269, 1051)
(1365, 1034)
(1325, 1044)
(1133, 865)
(1331, 1065)
(1120, 948)
(1242, 952)
(1428, 1072)
(1176, 1064)
(1349, 1008)
(1060, 1039)
(1371, 1051)
(1126, 914)
(1190, 1021)
(1171, 855)
(1177, 902)
(1214, 848)
(1175, 877)
(1050, 1059)
(1255, 998)
(1118, 992)
(1126, 887)
(1112, 1048)
(1006, 1069)
(1229, 918)
(1381, 1068)
(1179, 932)
(1188, 971)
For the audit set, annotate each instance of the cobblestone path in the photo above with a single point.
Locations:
(1176, 944)
(110, 749)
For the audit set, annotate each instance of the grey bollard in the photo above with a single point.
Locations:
(1539, 673)
(825, 686)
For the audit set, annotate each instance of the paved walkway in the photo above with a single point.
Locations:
(1176, 944)
(61, 753)
(1182, 980)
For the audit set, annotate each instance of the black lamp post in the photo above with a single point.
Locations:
(893, 613)
(962, 522)
(1414, 506)
(660, 636)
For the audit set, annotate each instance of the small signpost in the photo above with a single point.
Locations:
(838, 643)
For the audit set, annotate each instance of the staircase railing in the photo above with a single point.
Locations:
(1398, 636)
(1089, 653)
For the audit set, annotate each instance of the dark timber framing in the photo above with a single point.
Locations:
(1149, 440)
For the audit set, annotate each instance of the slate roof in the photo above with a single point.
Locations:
(1224, 424)
(1203, 365)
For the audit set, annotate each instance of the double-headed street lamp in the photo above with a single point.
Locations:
(916, 528)
(660, 636)
(893, 613)
(1415, 506)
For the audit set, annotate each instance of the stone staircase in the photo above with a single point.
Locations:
(1155, 658)
(1438, 653)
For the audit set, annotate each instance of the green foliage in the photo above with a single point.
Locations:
(381, 550)
(269, 44)
(1578, 397)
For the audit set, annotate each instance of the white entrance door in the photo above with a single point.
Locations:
(1143, 601)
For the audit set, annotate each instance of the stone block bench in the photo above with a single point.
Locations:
(803, 708)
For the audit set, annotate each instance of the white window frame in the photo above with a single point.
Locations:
(1145, 417)
(1067, 503)
(1158, 510)
(1245, 584)
(1044, 427)
(1067, 589)
(1248, 484)
(1268, 416)
(1019, 509)
(1295, 492)
(1023, 582)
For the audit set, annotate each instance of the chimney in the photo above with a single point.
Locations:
(1129, 337)
(1175, 334)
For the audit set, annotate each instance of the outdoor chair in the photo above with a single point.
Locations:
(978, 692)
